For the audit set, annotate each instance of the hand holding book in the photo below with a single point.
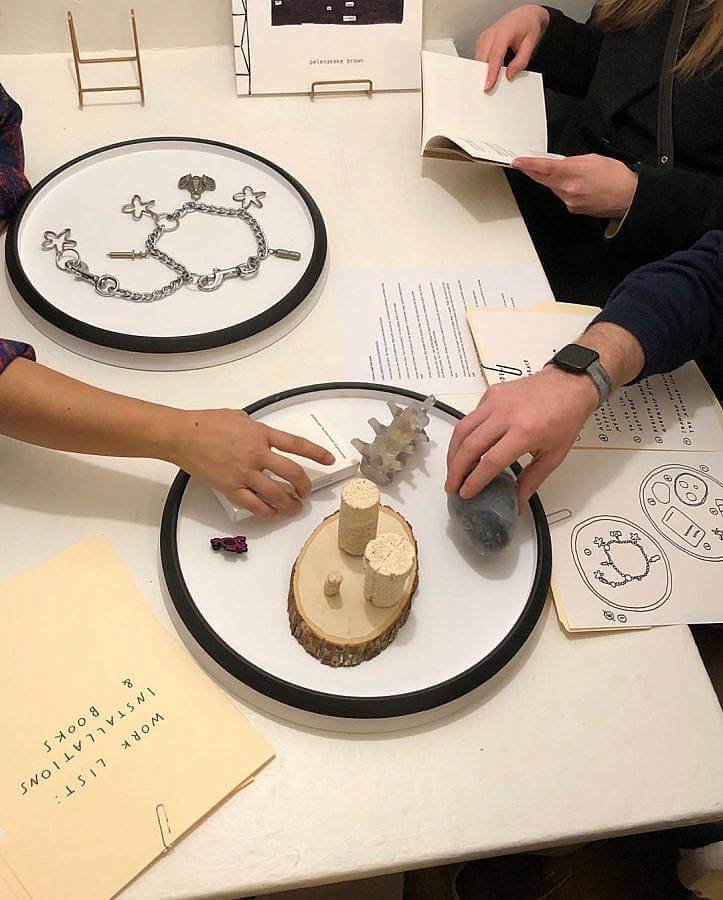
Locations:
(520, 30)
(590, 185)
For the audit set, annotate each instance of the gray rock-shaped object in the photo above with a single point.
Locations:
(487, 521)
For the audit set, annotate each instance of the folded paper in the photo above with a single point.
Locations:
(114, 742)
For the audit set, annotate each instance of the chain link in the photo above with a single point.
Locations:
(107, 285)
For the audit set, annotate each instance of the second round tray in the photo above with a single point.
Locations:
(469, 617)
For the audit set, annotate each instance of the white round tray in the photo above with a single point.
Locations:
(469, 616)
(190, 328)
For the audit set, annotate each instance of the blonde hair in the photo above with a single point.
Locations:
(705, 54)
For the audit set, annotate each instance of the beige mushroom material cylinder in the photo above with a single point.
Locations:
(332, 583)
(358, 516)
(388, 563)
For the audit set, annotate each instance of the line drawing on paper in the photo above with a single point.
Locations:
(244, 47)
(337, 12)
(621, 564)
(685, 506)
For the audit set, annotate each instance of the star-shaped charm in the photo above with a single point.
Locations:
(138, 207)
(249, 197)
(59, 242)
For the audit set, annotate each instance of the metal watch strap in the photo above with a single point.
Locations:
(600, 379)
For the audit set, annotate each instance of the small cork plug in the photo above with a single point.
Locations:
(358, 515)
(388, 563)
(332, 583)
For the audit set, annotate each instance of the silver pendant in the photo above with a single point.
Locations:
(249, 197)
(138, 207)
(196, 185)
(59, 242)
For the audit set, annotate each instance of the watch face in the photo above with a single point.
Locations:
(575, 358)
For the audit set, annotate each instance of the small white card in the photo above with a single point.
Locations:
(315, 428)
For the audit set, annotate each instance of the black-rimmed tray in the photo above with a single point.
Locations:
(469, 617)
(190, 328)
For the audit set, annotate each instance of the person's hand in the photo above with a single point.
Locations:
(541, 414)
(232, 453)
(591, 185)
(520, 30)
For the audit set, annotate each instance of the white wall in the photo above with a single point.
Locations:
(39, 26)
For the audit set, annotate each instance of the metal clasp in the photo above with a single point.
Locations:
(214, 281)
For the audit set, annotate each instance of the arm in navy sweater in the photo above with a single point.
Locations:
(674, 307)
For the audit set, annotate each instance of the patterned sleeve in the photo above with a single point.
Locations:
(13, 183)
(10, 350)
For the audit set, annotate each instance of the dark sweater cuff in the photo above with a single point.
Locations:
(648, 331)
(660, 220)
(12, 350)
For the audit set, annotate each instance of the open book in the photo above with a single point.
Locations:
(461, 122)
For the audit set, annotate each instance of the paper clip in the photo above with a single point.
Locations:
(161, 811)
(504, 370)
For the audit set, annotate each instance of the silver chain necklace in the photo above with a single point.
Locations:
(68, 259)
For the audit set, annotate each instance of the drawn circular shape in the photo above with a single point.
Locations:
(627, 567)
(690, 489)
(658, 440)
(687, 442)
(622, 618)
(685, 520)
(604, 438)
(178, 332)
(234, 619)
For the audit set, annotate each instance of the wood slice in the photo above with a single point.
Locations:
(346, 629)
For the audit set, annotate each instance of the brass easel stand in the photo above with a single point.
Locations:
(79, 61)
(366, 87)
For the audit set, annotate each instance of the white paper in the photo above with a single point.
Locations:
(319, 430)
(409, 325)
(495, 127)
(643, 544)
(282, 46)
(675, 411)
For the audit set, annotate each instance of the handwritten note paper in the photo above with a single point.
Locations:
(115, 743)
(674, 411)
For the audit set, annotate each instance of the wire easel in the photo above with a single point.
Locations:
(79, 61)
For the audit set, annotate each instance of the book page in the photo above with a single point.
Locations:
(674, 411)
(409, 325)
(119, 742)
(637, 538)
(496, 127)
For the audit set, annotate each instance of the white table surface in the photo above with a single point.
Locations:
(584, 737)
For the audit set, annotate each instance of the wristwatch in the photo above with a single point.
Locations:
(583, 361)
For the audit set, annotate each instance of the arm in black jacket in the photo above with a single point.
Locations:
(674, 307)
(671, 208)
(567, 55)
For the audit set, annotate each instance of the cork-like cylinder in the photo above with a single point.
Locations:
(388, 563)
(332, 583)
(358, 516)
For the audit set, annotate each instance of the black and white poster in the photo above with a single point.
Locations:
(283, 46)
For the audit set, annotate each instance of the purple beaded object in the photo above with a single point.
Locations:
(230, 544)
